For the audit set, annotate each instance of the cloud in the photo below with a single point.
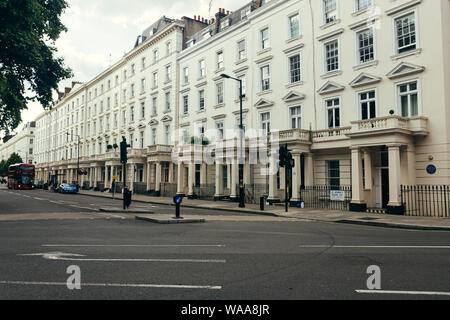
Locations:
(101, 31)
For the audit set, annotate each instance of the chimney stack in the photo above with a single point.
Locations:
(228, 12)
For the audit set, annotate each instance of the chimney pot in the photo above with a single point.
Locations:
(195, 17)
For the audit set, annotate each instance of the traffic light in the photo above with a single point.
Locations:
(123, 150)
(286, 159)
(283, 153)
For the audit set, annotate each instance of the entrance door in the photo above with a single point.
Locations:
(384, 187)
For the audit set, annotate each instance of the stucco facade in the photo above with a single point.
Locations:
(358, 90)
(21, 144)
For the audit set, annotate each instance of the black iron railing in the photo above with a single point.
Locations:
(426, 200)
(327, 197)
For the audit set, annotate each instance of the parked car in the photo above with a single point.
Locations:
(67, 188)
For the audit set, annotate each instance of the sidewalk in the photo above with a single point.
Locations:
(368, 219)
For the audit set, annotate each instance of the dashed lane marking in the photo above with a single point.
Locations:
(122, 285)
(418, 293)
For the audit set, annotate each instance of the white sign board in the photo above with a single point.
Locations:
(336, 195)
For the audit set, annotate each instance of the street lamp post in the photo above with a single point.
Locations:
(241, 156)
(78, 157)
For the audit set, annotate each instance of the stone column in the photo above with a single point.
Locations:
(357, 204)
(367, 169)
(111, 168)
(247, 173)
(228, 176)
(234, 180)
(219, 181)
(309, 170)
(148, 175)
(158, 177)
(272, 174)
(107, 176)
(203, 173)
(133, 177)
(171, 172)
(95, 176)
(395, 205)
(296, 179)
(180, 182)
(191, 176)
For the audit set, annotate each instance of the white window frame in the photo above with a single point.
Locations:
(261, 78)
(357, 53)
(221, 130)
(218, 53)
(325, 57)
(222, 83)
(200, 98)
(200, 73)
(324, 17)
(265, 133)
(261, 40)
(299, 54)
(325, 100)
(394, 31)
(186, 75)
(358, 9)
(289, 30)
(238, 57)
(185, 104)
(398, 105)
(358, 102)
(299, 123)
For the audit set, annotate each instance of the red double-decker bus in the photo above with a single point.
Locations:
(21, 176)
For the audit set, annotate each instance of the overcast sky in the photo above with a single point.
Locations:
(101, 31)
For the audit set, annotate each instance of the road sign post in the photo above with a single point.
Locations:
(177, 201)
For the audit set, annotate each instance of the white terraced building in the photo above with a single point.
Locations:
(358, 90)
(21, 144)
(136, 99)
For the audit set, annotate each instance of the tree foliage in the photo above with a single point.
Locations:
(4, 165)
(29, 70)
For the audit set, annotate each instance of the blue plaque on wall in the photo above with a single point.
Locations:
(431, 169)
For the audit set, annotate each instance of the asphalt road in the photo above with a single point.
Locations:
(122, 258)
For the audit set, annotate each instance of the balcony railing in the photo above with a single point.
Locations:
(331, 134)
(292, 135)
(159, 148)
(417, 125)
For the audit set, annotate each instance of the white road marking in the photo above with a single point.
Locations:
(256, 232)
(107, 215)
(39, 199)
(425, 293)
(126, 285)
(135, 245)
(375, 247)
(63, 257)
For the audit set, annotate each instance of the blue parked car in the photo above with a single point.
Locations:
(67, 188)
